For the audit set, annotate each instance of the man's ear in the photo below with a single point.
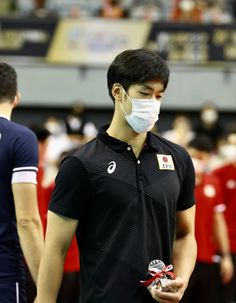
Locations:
(16, 100)
(117, 91)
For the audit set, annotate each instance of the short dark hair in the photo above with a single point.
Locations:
(8, 82)
(136, 66)
(40, 131)
(202, 143)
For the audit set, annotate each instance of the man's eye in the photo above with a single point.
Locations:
(144, 94)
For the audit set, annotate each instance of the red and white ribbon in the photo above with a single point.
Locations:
(158, 274)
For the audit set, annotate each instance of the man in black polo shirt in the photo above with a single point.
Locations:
(128, 196)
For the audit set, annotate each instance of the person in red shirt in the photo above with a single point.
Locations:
(69, 290)
(210, 230)
(227, 176)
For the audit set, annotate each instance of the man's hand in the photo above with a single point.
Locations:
(177, 286)
(226, 269)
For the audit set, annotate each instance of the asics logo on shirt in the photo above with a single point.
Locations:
(111, 168)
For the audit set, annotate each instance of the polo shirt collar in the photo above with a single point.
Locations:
(120, 146)
(6, 117)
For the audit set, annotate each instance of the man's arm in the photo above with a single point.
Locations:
(29, 226)
(184, 258)
(60, 232)
(185, 247)
(222, 239)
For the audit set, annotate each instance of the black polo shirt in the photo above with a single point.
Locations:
(126, 209)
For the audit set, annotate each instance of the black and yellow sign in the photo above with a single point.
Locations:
(194, 43)
(29, 37)
(96, 41)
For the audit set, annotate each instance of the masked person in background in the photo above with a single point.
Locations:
(210, 228)
(128, 195)
(227, 176)
(78, 127)
(209, 123)
(111, 9)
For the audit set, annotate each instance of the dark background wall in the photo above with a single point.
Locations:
(32, 115)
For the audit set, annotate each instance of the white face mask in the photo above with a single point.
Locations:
(228, 151)
(209, 116)
(186, 5)
(144, 114)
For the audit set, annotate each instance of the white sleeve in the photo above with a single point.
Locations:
(24, 175)
(220, 208)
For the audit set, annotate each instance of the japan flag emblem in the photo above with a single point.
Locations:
(165, 162)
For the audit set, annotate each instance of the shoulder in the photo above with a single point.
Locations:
(89, 150)
(17, 130)
(17, 136)
(166, 145)
(182, 161)
(71, 167)
(211, 178)
(223, 169)
(25, 140)
(24, 131)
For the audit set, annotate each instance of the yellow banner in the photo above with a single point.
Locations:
(95, 41)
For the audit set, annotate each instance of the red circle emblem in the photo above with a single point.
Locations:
(165, 159)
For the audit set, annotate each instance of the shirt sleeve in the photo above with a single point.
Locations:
(72, 190)
(219, 207)
(186, 197)
(25, 160)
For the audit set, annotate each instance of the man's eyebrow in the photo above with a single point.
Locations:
(146, 86)
(143, 85)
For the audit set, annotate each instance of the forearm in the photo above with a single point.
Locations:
(184, 256)
(50, 276)
(221, 234)
(60, 232)
(31, 239)
(222, 239)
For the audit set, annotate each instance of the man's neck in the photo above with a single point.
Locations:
(126, 134)
(5, 110)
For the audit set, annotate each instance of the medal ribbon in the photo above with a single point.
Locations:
(157, 274)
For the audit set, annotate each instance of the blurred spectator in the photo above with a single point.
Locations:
(214, 12)
(209, 123)
(42, 135)
(232, 8)
(58, 142)
(35, 8)
(69, 290)
(186, 11)
(204, 11)
(39, 4)
(25, 7)
(227, 176)
(210, 229)
(181, 132)
(62, 8)
(7, 7)
(220, 11)
(112, 9)
(147, 10)
(227, 147)
(78, 127)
